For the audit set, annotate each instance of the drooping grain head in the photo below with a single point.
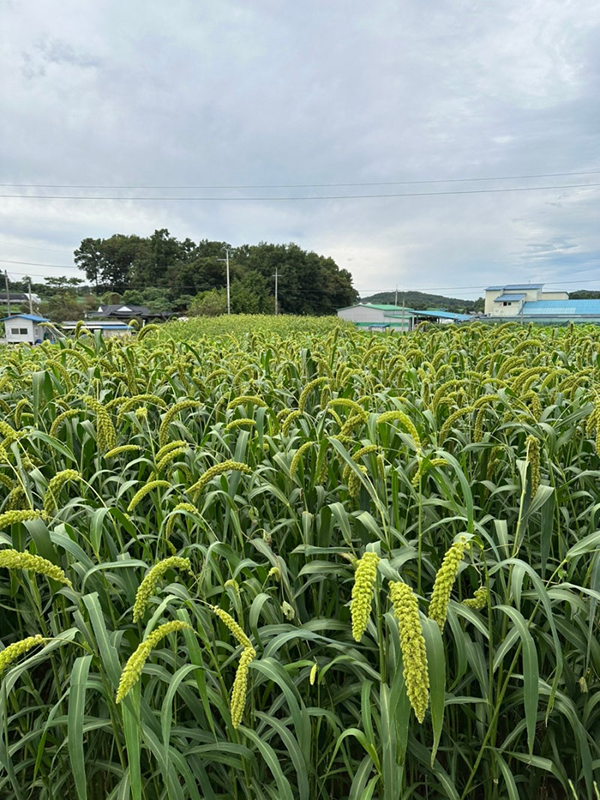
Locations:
(362, 593)
(444, 581)
(412, 643)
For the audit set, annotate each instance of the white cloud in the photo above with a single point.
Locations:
(230, 93)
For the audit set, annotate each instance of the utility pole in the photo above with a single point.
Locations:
(276, 303)
(30, 298)
(396, 300)
(7, 292)
(228, 287)
(226, 260)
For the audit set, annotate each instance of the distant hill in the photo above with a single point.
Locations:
(421, 301)
(584, 294)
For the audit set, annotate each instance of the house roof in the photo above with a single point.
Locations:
(398, 312)
(512, 286)
(563, 308)
(121, 308)
(126, 311)
(109, 324)
(31, 317)
(443, 315)
(17, 296)
(509, 298)
(378, 306)
(384, 306)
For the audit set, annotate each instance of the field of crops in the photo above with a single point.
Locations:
(278, 558)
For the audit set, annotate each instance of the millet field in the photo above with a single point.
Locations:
(277, 558)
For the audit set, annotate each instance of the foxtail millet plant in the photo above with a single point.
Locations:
(365, 578)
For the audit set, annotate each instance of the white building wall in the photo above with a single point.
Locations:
(362, 314)
(553, 296)
(109, 332)
(14, 330)
(500, 310)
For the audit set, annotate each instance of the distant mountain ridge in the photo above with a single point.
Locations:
(585, 294)
(421, 300)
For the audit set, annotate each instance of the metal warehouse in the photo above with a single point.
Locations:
(380, 316)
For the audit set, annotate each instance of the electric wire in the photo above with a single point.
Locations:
(295, 185)
(302, 197)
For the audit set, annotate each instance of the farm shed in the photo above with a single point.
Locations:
(25, 328)
(374, 316)
(377, 316)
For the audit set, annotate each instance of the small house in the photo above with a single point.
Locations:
(26, 328)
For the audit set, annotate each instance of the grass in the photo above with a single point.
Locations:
(273, 454)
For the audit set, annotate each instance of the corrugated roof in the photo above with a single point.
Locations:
(382, 324)
(563, 307)
(513, 286)
(378, 306)
(397, 313)
(443, 315)
(93, 324)
(31, 317)
(384, 306)
(509, 298)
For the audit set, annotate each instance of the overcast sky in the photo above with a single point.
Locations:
(230, 93)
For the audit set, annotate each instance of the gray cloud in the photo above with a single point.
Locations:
(231, 93)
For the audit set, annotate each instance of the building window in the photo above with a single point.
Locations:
(506, 304)
(14, 331)
(23, 331)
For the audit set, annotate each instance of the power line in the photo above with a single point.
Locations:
(360, 291)
(37, 264)
(141, 286)
(305, 197)
(464, 288)
(295, 185)
(9, 243)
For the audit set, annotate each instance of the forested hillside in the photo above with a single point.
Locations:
(422, 300)
(194, 274)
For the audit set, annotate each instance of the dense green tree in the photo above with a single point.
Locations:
(157, 299)
(111, 299)
(62, 283)
(250, 295)
(108, 263)
(133, 297)
(308, 283)
(155, 256)
(90, 257)
(63, 306)
(209, 304)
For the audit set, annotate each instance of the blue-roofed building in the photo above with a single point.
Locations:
(28, 328)
(384, 317)
(107, 328)
(557, 311)
(509, 300)
(529, 303)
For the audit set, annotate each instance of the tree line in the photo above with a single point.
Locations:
(190, 276)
